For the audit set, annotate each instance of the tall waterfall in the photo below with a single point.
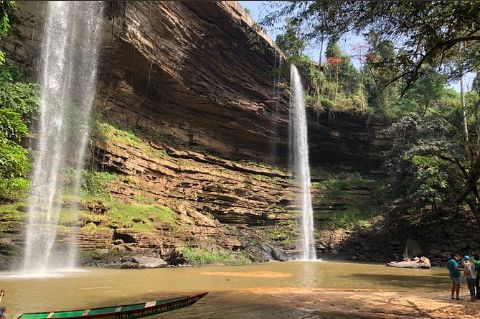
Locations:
(68, 80)
(299, 146)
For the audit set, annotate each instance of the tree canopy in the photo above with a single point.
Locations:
(428, 32)
(415, 48)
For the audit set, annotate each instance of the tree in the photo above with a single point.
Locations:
(425, 160)
(427, 35)
(6, 6)
(289, 43)
(378, 73)
(428, 31)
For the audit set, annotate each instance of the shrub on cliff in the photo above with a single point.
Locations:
(18, 105)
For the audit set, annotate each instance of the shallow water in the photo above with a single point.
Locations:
(235, 291)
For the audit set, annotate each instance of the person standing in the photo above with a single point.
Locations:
(477, 280)
(470, 275)
(2, 309)
(454, 272)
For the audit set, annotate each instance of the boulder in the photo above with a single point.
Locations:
(422, 262)
(149, 262)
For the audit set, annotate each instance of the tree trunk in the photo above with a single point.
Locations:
(464, 112)
(474, 207)
(471, 181)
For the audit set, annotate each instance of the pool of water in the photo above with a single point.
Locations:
(235, 291)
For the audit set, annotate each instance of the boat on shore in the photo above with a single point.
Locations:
(131, 311)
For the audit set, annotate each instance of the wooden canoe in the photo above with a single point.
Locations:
(131, 311)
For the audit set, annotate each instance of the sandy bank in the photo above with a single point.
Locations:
(365, 303)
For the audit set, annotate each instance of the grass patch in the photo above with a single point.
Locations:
(107, 132)
(96, 184)
(91, 229)
(199, 256)
(139, 217)
(142, 199)
(9, 212)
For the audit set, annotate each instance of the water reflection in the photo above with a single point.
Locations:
(235, 291)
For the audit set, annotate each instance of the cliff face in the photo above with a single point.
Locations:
(195, 80)
(201, 75)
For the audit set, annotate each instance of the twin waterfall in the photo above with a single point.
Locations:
(301, 165)
(68, 80)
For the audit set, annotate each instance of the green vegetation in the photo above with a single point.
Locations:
(343, 199)
(97, 184)
(408, 57)
(196, 255)
(92, 229)
(108, 132)
(334, 86)
(285, 234)
(18, 108)
(142, 214)
(9, 212)
(139, 217)
(6, 6)
(423, 31)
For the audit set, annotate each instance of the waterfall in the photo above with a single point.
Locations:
(68, 80)
(299, 147)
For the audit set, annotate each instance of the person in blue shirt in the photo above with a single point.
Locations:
(454, 272)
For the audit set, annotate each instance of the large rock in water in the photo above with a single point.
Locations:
(149, 262)
(422, 262)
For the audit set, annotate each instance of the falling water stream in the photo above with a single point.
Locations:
(299, 146)
(68, 75)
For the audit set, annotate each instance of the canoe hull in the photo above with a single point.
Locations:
(151, 311)
(146, 311)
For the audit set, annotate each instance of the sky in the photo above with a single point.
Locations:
(258, 10)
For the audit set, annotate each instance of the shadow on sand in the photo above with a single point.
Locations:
(405, 281)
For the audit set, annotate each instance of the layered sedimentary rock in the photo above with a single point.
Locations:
(197, 79)
(201, 74)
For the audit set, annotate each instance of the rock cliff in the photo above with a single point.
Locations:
(201, 75)
(194, 82)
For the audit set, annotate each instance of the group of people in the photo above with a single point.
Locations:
(470, 267)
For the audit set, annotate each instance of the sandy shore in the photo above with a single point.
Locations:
(341, 303)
